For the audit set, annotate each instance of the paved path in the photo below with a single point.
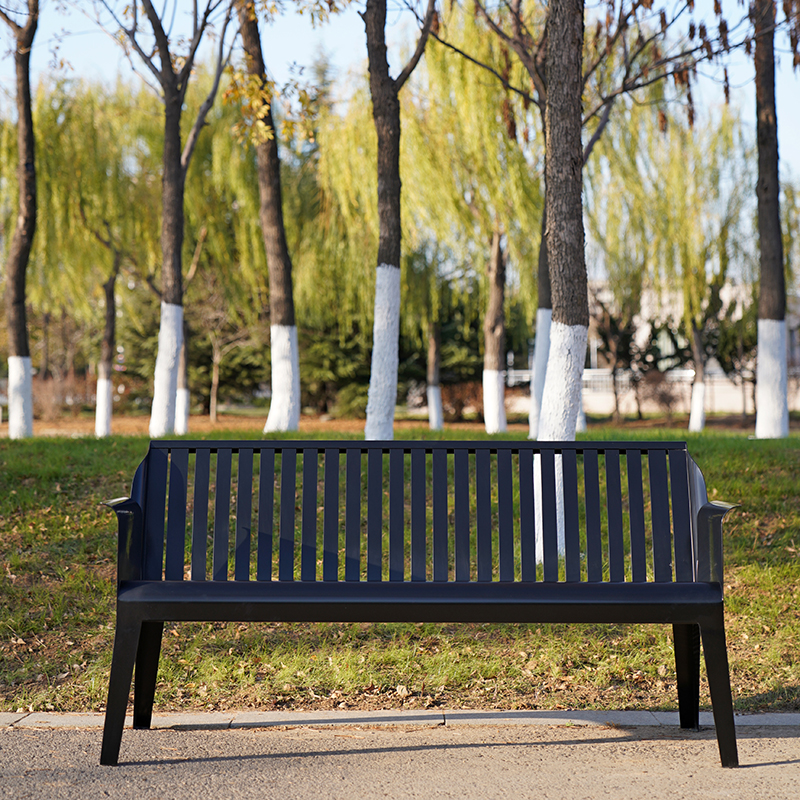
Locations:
(399, 755)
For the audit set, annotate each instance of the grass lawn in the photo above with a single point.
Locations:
(57, 569)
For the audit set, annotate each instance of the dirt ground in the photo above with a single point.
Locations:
(69, 425)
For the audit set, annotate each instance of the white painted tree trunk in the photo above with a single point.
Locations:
(170, 337)
(385, 342)
(182, 407)
(561, 402)
(494, 410)
(103, 407)
(562, 394)
(541, 350)
(284, 408)
(580, 424)
(435, 414)
(20, 397)
(697, 415)
(772, 409)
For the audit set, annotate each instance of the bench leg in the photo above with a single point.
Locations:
(719, 685)
(126, 641)
(144, 685)
(687, 667)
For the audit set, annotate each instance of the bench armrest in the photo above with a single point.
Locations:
(130, 545)
(709, 540)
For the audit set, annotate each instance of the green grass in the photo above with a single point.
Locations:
(57, 568)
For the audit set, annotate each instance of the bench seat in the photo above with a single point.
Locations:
(278, 601)
(445, 532)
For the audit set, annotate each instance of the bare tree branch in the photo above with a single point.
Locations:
(421, 42)
(506, 85)
(222, 61)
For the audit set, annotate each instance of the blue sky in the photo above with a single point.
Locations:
(291, 40)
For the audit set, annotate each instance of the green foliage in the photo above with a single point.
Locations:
(737, 341)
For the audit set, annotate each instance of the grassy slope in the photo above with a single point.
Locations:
(57, 552)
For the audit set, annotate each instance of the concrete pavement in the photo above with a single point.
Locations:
(399, 754)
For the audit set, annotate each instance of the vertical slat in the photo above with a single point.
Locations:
(374, 514)
(222, 510)
(176, 515)
(418, 508)
(330, 522)
(483, 512)
(636, 506)
(572, 534)
(440, 565)
(681, 525)
(308, 534)
(594, 545)
(659, 500)
(549, 516)
(286, 533)
(352, 522)
(527, 522)
(505, 515)
(616, 544)
(461, 503)
(266, 508)
(154, 514)
(244, 515)
(202, 471)
(396, 521)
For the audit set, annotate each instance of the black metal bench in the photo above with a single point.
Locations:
(419, 532)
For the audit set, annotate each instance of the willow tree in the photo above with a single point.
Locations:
(20, 396)
(469, 186)
(384, 91)
(667, 207)
(171, 64)
(97, 207)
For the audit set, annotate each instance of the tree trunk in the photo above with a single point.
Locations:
(565, 234)
(541, 346)
(772, 416)
(183, 400)
(697, 415)
(494, 337)
(284, 410)
(20, 394)
(435, 415)
(105, 369)
(215, 362)
(386, 331)
(170, 335)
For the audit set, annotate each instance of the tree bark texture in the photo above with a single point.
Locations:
(108, 345)
(772, 297)
(563, 116)
(434, 390)
(494, 322)
(22, 238)
(172, 189)
(434, 353)
(543, 273)
(386, 115)
(281, 299)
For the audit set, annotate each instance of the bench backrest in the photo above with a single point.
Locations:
(419, 511)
